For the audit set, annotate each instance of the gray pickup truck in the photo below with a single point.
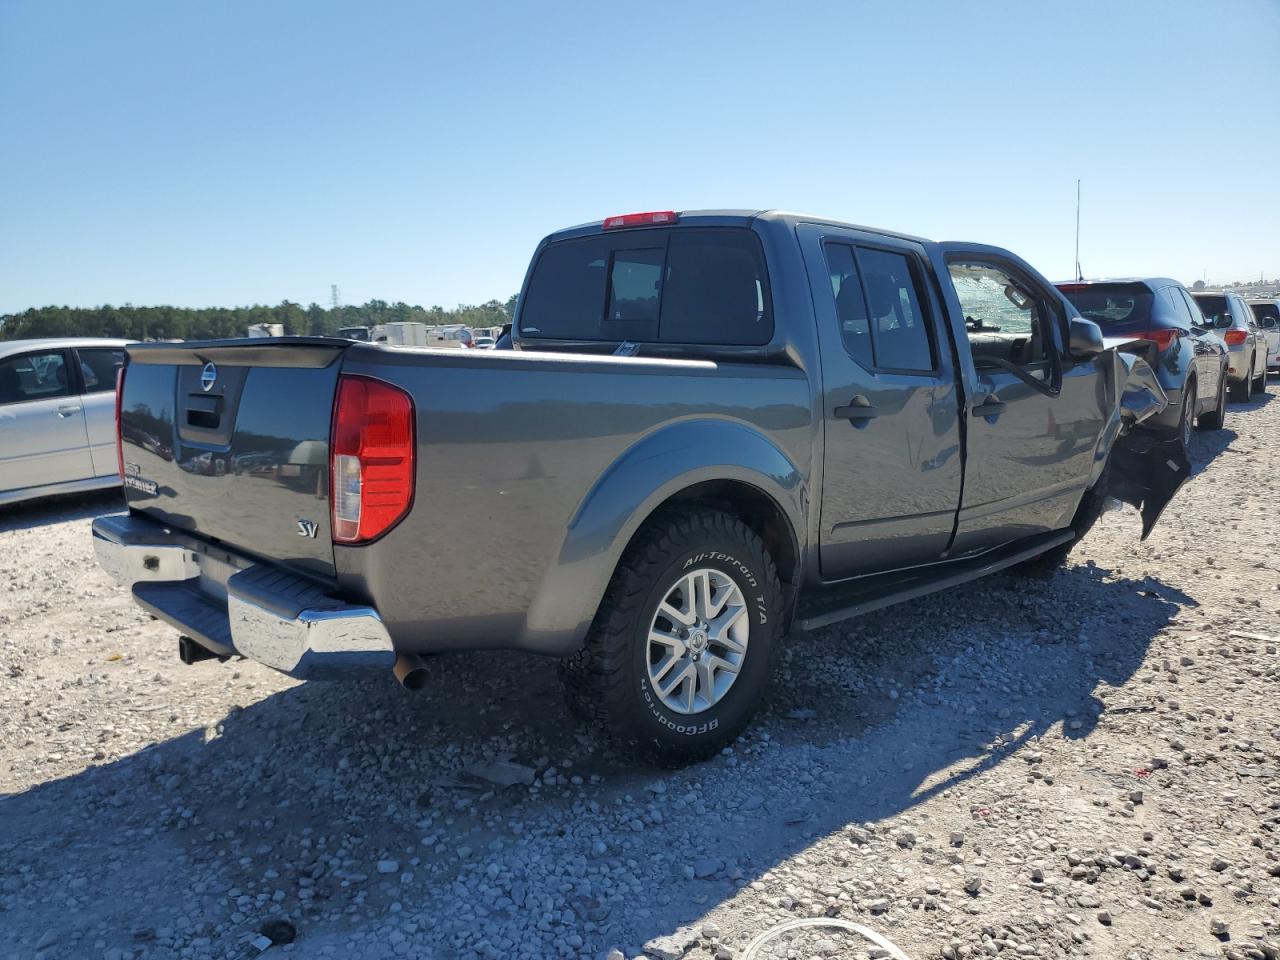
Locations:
(712, 427)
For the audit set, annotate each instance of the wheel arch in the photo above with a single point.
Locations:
(723, 464)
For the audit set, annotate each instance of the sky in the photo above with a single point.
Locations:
(228, 153)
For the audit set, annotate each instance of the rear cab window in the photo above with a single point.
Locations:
(677, 285)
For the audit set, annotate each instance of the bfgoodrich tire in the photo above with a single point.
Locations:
(682, 648)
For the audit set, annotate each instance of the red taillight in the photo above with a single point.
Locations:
(651, 219)
(1162, 338)
(1235, 337)
(119, 438)
(371, 458)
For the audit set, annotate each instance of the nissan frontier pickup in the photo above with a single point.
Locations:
(714, 430)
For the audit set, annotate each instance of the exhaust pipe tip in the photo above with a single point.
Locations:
(411, 671)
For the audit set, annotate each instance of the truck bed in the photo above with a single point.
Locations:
(510, 446)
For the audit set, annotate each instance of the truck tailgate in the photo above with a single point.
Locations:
(229, 440)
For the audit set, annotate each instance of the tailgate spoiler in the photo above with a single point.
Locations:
(294, 352)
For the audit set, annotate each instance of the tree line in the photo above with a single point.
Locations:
(215, 323)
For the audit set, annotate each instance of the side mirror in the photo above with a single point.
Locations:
(1084, 341)
(1222, 321)
(1268, 323)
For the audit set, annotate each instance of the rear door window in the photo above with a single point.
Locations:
(899, 329)
(98, 366)
(684, 285)
(1171, 311)
(851, 303)
(1193, 311)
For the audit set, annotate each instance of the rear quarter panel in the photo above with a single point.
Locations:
(526, 489)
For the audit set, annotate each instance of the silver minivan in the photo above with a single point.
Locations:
(1230, 318)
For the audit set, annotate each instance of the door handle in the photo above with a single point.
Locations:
(68, 409)
(859, 409)
(992, 406)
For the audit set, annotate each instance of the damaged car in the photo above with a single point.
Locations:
(713, 427)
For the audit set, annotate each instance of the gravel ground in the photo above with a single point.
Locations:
(1084, 765)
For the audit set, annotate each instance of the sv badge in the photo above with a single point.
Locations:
(307, 528)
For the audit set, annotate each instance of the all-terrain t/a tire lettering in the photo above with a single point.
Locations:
(619, 683)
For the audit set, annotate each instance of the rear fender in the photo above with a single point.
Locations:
(1139, 467)
(650, 472)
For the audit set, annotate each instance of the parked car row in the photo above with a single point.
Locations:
(1206, 347)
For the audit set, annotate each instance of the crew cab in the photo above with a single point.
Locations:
(712, 427)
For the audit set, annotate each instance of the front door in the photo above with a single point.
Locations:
(42, 432)
(1034, 419)
(892, 465)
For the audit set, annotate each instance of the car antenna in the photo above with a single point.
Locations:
(1079, 272)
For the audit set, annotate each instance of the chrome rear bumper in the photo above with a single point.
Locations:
(230, 604)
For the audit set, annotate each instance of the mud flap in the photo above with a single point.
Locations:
(1145, 472)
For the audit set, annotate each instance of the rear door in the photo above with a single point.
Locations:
(97, 368)
(892, 465)
(42, 432)
(1034, 420)
(1259, 338)
(1208, 348)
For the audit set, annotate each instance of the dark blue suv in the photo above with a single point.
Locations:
(1192, 361)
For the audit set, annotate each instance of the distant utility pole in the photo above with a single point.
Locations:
(335, 298)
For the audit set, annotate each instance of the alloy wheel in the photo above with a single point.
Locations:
(1188, 414)
(697, 641)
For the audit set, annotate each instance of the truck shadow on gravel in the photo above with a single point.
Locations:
(349, 809)
(1208, 446)
(51, 510)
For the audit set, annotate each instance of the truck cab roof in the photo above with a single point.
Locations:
(726, 218)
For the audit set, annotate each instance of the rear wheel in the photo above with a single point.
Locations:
(1261, 385)
(1212, 420)
(680, 652)
(1188, 417)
